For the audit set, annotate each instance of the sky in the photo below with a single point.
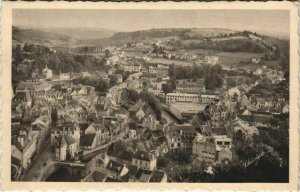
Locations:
(132, 20)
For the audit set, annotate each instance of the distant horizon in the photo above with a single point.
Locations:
(259, 21)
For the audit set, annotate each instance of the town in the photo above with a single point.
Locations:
(153, 110)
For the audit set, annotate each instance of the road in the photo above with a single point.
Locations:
(165, 115)
(38, 164)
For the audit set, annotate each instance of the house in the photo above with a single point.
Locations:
(285, 109)
(116, 170)
(150, 121)
(88, 141)
(23, 147)
(208, 97)
(85, 74)
(119, 78)
(16, 169)
(212, 60)
(95, 176)
(234, 91)
(47, 73)
(143, 175)
(70, 129)
(22, 98)
(144, 160)
(244, 127)
(131, 176)
(64, 76)
(256, 60)
(102, 134)
(132, 133)
(225, 154)
(66, 148)
(139, 109)
(158, 177)
(132, 68)
(205, 148)
(112, 71)
(180, 137)
(212, 148)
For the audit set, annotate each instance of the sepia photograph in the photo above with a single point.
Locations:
(150, 95)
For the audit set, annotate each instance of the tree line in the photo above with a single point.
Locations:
(213, 75)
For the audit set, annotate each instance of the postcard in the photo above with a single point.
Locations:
(149, 95)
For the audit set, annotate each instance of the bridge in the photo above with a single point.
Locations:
(71, 164)
(74, 168)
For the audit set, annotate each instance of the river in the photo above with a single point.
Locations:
(63, 175)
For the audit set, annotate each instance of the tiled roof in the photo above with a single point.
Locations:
(142, 155)
(99, 176)
(114, 166)
(157, 176)
(87, 140)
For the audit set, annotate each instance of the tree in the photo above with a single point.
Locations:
(116, 148)
(113, 80)
(107, 53)
(54, 116)
(181, 156)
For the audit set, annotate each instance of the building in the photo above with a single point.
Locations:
(102, 134)
(256, 60)
(23, 147)
(22, 98)
(212, 149)
(116, 170)
(158, 177)
(47, 73)
(144, 160)
(64, 76)
(132, 133)
(207, 98)
(182, 97)
(132, 68)
(186, 111)
(212, 60)
(66, 148)
(244, 127)
(88, 141)
(70, 129)
(180, 137)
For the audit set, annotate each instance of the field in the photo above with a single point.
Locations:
(197, 51)
(210, 32)
(136, 51)
(189, 41)
(169, 62)
(237, 57)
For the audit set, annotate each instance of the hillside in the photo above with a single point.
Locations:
(58, 36)
(83, 33)
(23, 35)
(186, 38)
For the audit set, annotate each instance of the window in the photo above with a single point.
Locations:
(227, 143)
